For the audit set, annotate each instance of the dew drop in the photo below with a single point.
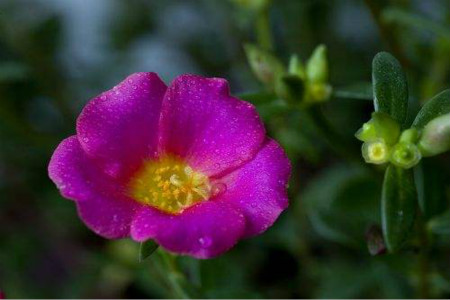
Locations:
(205, 241)
(218, 188)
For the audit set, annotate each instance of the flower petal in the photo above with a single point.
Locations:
(119, 127)
(109, 217)
(202, 123)
(259, 188)
(203, 231)
(101, 202)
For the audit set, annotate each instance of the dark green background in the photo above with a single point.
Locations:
(57, 54)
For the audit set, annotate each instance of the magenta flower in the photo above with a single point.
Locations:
(188, 165)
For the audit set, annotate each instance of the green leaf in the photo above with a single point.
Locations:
(440, 224)
(146, 249)
(358, 91)
(338, 192)
(431, 179)
(437, 106)
(390, 88)
(398, 206)
(406, 18)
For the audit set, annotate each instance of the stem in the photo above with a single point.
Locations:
(262, 27)
(423, 289)
(174, 275)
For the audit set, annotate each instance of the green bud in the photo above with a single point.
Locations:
(296, 67)
(435, 137)
(410, 136)
(290, 88)
(381, 126)
(317, 65)
(405, 155)
(319, 92)
(376, 152)
(266, 67)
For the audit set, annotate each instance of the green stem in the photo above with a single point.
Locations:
(263, 32)
(174, 275)
(423, 289)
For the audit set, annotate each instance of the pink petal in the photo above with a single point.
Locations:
(101, 202)
(259, 188)
(109, 217)
(203, 231)
(201, 122)
(119, 127)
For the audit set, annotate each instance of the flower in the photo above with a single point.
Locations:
(188, 165)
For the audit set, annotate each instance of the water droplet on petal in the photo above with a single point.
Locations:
(205, 241)
(218, 188)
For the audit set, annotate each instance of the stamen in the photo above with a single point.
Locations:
(169, 185)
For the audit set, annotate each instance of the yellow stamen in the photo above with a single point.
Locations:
(169, 184)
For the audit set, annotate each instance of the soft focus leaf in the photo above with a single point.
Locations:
(389, 87)
(398, 206)
(440, 224)
(146, 249)
(266, 66)
(359, 91)
(412, 20)
(433, 108)
(431, 178)
(13, 71)
(343, 191)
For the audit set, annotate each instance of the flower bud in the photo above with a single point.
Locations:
(381, 126)
(296, 67)
(435, 137)
(266, 67)
(319, 92)
(290, 88)
(410, 136)
(317, 65)
(375, 152)
(405, 155)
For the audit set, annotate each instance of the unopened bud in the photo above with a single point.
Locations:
(319, 92)
(290, 88)
(435, 137)
(381, 126)
(375, 152)
(317, 65)
(266, 67)
(410, 136)
(296, 67)
(405, 155)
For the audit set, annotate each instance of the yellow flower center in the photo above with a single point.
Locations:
(170, 185)
(376, 152)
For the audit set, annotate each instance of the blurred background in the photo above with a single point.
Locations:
(56, 55)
